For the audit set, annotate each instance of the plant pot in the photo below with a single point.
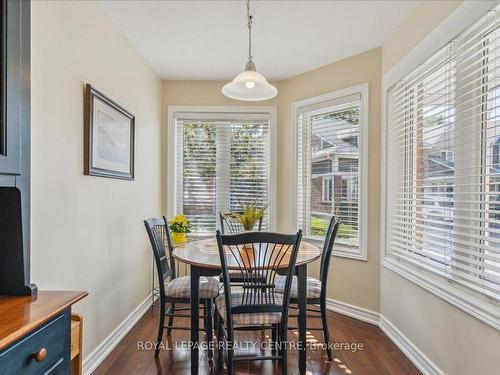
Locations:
(179, 237)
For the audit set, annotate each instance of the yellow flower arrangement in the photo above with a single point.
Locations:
(179, 226)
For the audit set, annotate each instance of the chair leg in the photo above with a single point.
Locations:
(161, 326)
(274, 339)
(230, 363)
(217, 334)
(209, 330)
(284, 350)
(171, 309)
(326, 334)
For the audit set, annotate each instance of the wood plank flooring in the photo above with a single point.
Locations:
(378, 356)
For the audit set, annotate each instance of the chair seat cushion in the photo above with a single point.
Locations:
(313, 286)
(248, 319)
(180, 287)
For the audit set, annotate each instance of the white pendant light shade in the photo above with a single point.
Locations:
(249, 86)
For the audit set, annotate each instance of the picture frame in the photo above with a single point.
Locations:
(109, 137)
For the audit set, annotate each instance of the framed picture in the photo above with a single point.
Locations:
(108, 137)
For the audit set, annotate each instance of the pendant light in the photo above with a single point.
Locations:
(249, 85)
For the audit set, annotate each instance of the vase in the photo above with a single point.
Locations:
(179, 237)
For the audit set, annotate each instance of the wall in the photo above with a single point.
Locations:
(353, 282)
(87, 231)
(422, 20)
(453, 340)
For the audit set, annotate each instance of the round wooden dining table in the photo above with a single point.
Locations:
(202, 256)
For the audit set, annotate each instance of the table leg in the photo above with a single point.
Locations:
(302, 294)
(195, 322)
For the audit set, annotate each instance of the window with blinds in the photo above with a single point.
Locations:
(443, 175)
(221, 160)
(328, 169)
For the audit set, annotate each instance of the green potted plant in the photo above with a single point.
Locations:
(179, 226)
(248, 215)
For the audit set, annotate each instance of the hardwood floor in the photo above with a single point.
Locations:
(378, 354)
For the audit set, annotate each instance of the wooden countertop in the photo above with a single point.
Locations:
(20, 315)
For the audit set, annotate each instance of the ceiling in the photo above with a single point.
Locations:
(207, 40)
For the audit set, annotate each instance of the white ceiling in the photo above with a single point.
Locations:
(208, 39)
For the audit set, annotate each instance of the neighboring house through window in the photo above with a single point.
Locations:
(331, 166)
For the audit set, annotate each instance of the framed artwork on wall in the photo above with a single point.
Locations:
(108, 137)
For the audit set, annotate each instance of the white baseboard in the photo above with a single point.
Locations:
(352, 311)
(414, 354)
(99, 354)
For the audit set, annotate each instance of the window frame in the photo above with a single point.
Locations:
(480, 306)
(360, 252)
(171, 173)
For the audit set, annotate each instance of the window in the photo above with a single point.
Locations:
(327, 189)
(495, 154)
(330, 167)
(221, 159)
(442, 176)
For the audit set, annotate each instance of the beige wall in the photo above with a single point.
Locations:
(456, 342)
(87, 232)
(352, 281)
(422, 20)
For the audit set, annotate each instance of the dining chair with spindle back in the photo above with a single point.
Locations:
(228, 226)
(173, 289)
(255, 305)
(316, 288)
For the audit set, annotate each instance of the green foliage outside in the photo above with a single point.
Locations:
(320, 226)
(350, 115)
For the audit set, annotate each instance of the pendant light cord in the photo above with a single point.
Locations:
(250, 57)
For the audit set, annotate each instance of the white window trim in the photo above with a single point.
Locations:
(172, 157)
(362, 253)
(482, 307)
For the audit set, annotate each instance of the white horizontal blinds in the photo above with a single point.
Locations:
(223, 159)
(250, 165)
(443, 175)
(328, 167)
(196, 175)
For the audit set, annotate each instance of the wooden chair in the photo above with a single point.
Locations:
(228, 226)
(177, 290)
(258, 255)
(316, 289)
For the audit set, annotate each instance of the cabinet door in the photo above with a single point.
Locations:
(13, 78)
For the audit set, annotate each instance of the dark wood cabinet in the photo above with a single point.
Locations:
(15, 147)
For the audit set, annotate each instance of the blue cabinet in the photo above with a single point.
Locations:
(15, 141)
(35, 334)
(14, 87)
(52, 340)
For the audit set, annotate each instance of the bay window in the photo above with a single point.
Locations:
(442, 177)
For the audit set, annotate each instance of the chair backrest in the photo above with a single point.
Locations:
(326, 254)
(258, 255)
(228, 226)
(161, 243)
